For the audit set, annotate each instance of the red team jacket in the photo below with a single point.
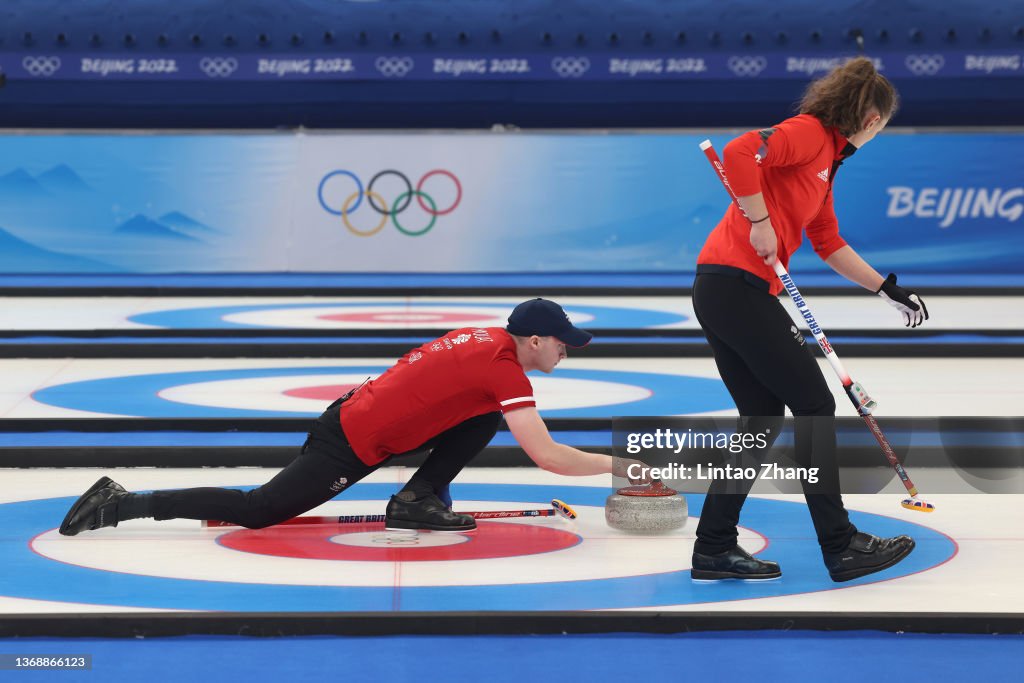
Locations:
(793, 164)
(465, 373)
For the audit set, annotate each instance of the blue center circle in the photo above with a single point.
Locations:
(213, 317)
(138, 395)
(32, 576)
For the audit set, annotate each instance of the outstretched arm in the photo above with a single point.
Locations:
(532, 434)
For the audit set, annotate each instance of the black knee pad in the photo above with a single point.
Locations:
(261, 519)
(261, 512)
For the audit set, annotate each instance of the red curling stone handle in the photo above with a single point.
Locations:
(655, 489)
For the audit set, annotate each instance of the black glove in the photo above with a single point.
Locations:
(903, 300)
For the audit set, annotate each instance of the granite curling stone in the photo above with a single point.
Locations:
(652, 508)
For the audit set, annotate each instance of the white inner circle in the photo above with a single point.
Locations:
(557, 393)
(397, 539)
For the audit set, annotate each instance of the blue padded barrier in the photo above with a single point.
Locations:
(474, 63)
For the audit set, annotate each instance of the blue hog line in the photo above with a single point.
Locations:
(800, 303)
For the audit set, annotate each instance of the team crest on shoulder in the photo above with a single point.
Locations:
(762, 151)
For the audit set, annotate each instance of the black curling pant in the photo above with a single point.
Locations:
(451, 450)
(325, 467)
(766, 366)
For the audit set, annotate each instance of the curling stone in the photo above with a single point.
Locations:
(652, 508)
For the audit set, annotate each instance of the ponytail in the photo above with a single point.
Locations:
(844, 97)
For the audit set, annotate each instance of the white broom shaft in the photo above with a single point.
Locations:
(558, 508)
(812, 324)
(370, 519)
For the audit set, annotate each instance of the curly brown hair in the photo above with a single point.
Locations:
(844, 96)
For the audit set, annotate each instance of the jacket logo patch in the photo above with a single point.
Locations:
(762, 151)
(823, 175)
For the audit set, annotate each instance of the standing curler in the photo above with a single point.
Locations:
(782, 179)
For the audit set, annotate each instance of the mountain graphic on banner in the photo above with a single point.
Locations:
(18, 256)
(62, 178)
(19, 185)
(179, 221)
(144, 226)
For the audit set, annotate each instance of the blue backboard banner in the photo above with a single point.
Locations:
(61, 65)
(472, 202)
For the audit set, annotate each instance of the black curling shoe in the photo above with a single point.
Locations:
(735, 563)
(429, 513)
(867, 554)
(96, 508)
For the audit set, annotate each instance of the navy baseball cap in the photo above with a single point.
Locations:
(546, 319)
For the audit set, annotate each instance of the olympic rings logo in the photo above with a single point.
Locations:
(378, 203)
(218, 67)
(41, 66)
(924, 65)
(570, 67)
(394, 67)
(747, 67)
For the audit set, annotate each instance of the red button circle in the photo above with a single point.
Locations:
(313, 542)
